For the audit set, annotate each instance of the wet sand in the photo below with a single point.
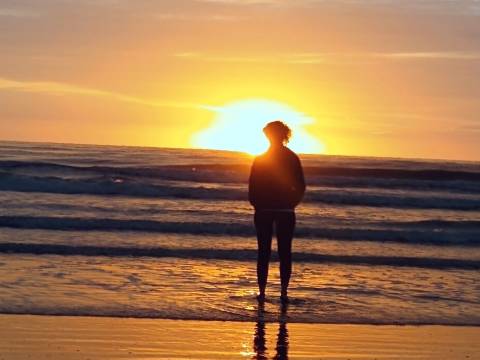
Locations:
(63, 337)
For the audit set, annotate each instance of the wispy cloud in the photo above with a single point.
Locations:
(470, 7)
(254, 2)
(441, 55)
(272, 58)
(226, 58)
(470, 128)
(330, 58)
(62, 88)
(17, 13)
(195, 17)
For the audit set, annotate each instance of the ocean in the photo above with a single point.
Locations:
(168, 233)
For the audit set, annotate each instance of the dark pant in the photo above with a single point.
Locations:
(284, 222)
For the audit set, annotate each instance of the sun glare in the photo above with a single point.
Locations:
(238, 127)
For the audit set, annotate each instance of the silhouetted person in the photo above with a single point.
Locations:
(276, 187)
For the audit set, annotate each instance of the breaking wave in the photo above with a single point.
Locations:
(235, 254)
(135, 188)
(422, 232)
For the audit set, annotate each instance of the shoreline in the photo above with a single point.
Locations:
(250, 320)
(85, 337)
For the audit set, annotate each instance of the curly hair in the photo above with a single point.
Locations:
(278, 130)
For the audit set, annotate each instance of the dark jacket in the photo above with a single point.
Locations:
(276, 180)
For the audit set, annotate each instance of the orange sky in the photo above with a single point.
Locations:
(379, 77)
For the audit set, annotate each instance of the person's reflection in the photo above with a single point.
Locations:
(259, 338)
(259, 341)
(282, 337)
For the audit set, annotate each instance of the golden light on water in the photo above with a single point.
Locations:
(238, 127)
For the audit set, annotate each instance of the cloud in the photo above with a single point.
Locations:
(254, 2)
(273, 58)
(53, 88)
(330, 58)
(195, 17)
(442, 55)
(465, 7)
(470, 127)
(226, 58)
(17, 13)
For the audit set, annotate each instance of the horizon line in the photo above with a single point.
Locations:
(238, 152)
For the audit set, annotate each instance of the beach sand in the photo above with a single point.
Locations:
(64, 337)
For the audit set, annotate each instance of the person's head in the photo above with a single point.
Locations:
(277, 132)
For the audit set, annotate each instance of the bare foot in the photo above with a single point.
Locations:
(261, 297)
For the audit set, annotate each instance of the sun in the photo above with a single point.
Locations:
(238, 127)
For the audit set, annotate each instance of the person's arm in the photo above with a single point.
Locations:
(252, 184)
(299, 181)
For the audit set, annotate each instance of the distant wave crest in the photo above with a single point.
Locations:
(236, 254)
(240, 171)
(135, 188)
(423, 232)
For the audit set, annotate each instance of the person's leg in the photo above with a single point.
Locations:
(285, 226)
(264, 226)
